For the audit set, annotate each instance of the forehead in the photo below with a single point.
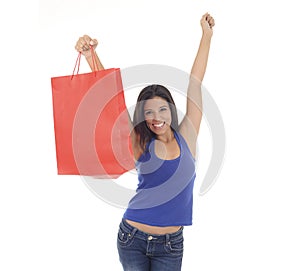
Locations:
(155, 102)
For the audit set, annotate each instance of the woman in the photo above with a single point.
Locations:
(150, 235)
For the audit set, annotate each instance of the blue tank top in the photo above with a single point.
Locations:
(164, 196)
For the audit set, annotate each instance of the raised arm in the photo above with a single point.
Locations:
(190, 125)
(83, 45)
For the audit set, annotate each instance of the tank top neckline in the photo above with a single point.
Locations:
(151, 147)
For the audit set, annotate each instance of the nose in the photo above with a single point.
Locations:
(156, 116)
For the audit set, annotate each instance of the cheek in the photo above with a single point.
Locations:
(168, 116)
(148, 121)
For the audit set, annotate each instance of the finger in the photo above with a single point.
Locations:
(204, 17)
(79, 46)
(82, 45)
(209, 18)
(86, 42)
(211, 22)
(87, 38)
(95, 42)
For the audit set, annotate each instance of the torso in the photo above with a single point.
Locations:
(153, 229)
(165, 151)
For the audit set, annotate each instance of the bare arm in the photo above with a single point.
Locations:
(83, 45)
(190, 125)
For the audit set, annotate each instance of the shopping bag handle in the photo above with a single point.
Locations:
(77, 63)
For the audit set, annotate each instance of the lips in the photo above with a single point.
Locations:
(158, 125)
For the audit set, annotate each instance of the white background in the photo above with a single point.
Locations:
(249, 220)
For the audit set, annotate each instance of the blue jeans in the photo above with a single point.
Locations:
(140, 251)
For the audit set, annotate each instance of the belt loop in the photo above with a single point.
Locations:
(167, 239)
(133, 232)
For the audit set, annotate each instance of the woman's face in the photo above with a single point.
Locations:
(157, 114)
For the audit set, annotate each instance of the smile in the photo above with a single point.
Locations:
(159, 125)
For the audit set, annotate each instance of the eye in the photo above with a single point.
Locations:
(148, 112)
(162, 109)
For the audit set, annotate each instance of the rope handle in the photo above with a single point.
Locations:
(77, 63)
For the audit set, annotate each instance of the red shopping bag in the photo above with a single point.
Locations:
(91, 124)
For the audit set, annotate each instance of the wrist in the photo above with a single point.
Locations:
(88, 55)
(207, 35)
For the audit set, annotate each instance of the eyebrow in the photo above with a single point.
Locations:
(147, 109)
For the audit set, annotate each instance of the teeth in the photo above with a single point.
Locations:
(158, 125)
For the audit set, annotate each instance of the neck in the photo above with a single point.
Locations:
(166, 137)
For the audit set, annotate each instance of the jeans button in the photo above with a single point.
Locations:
(150, 238)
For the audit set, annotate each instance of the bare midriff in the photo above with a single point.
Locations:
(153, 229)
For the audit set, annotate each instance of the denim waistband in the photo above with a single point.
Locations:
(134, 232)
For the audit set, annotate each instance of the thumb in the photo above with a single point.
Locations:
(94, 42)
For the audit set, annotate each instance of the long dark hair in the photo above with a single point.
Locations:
(144, 134)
